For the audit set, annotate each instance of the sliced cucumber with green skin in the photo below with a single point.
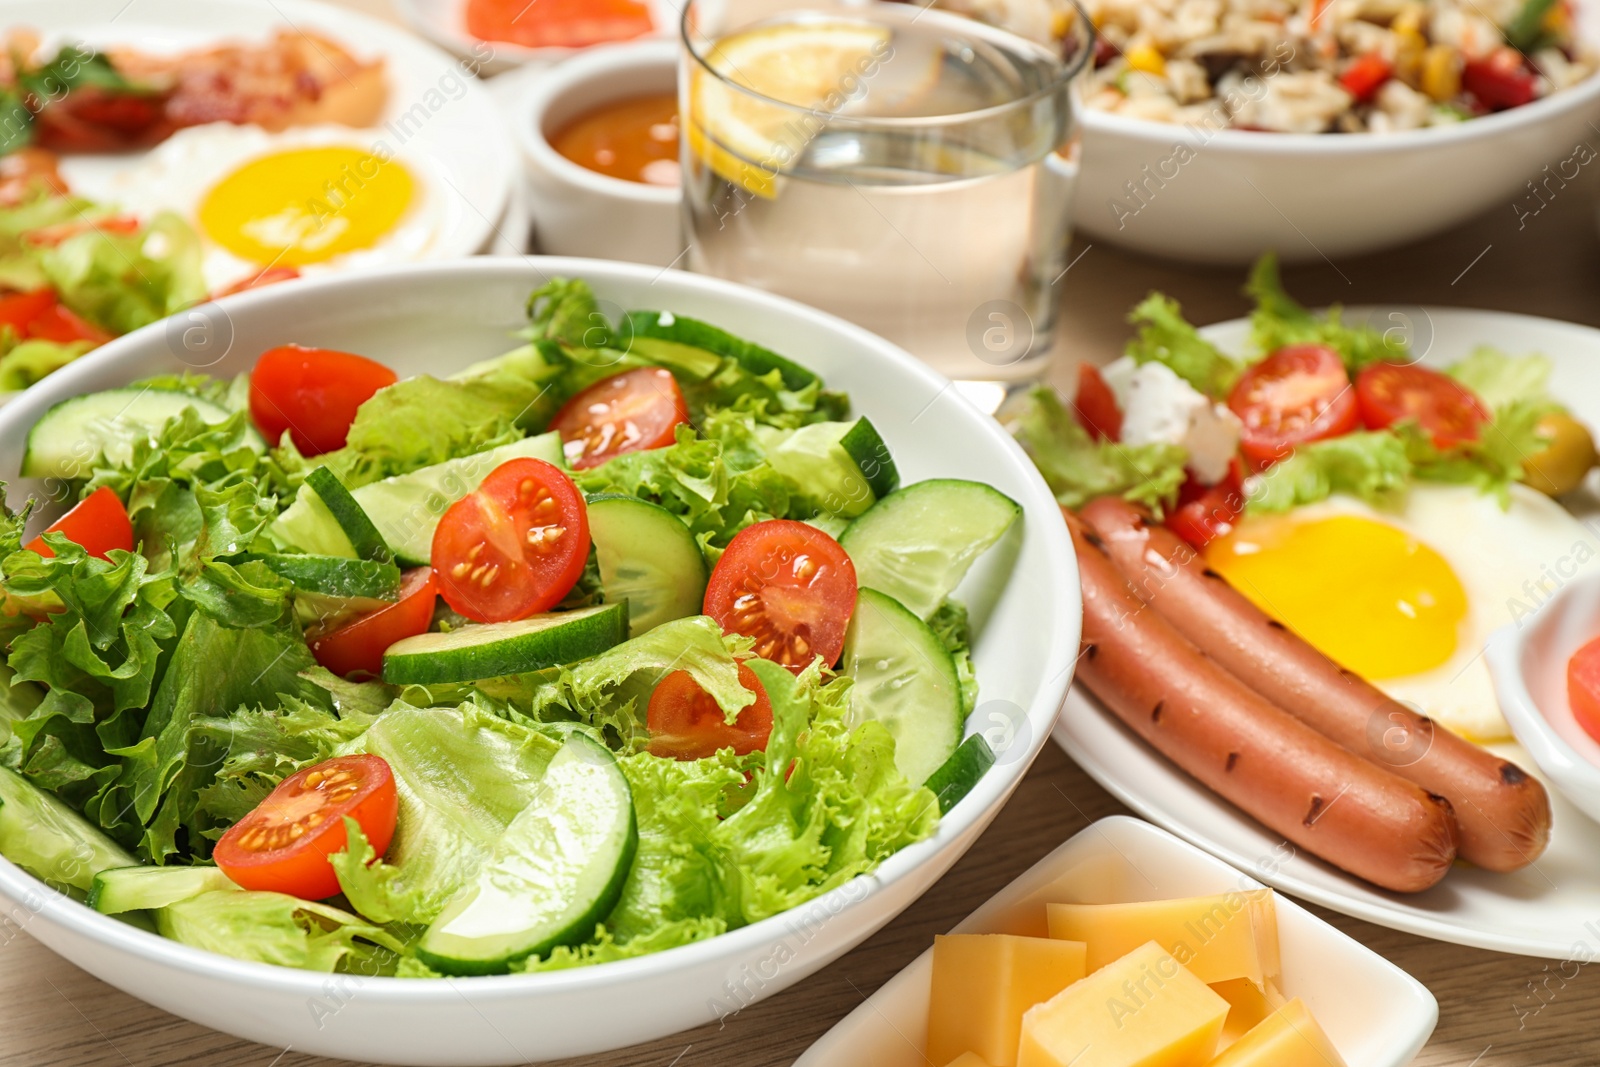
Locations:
(363, 536)
(844, 466)
(337, 576)
(69, 437)
(917, 543)
(405, 509)
(691, 361)
(49, 840)
(905, 680)
(123, 889)
(495, 649)
(957, 775)
(693, 332)
(648, 558)
(552, 876)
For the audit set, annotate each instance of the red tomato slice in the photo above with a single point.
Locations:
(1365, 76)
(1394, 392)
(788, 585)
(283, 844)
(99, 523)
(686, 723)
(514, 547)
(1206, 512)
(1583, 687)
(270, 276)
(1501, 80)
(313, 393)
(558, 23)
(18, 310)
(359, 645)
(1299, 393)
(51, 236)
(629, 412)
(1096, 405)
(62, 325)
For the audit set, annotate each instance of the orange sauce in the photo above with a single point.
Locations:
(635, 140)
(557, 23)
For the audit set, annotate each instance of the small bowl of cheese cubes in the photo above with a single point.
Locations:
(1127, 947)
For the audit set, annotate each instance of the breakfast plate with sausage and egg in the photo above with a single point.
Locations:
(1297, 533)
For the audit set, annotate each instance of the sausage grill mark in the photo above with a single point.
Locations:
(1209, 573)
(1155, 712)
(1511, 774)
(1233, 757)
(1276, 625)
(1316, 809)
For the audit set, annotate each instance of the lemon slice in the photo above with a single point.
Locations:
(818, 66)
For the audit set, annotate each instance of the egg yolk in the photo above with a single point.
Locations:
(306, 205)
(1367, 594)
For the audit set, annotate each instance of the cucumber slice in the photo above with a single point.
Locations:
(337, 576)
(406, 508)
(363, 536)
(648, 558)
(957, 775)
(692, 362)
(491, 650)
(693, 332)
(49, 840)
(555, 872)
(123, 889)
(843, 466)
(917, 543)
(904, 679)
(69, 437)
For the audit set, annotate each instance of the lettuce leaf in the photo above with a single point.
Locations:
(1498, 379)
(949, 625)
(121, 282)
(27, 362)
(1365, 464)
(1491, 463)
(1078, 469)
(279, 929)
(1167, 338)
(1278, 320)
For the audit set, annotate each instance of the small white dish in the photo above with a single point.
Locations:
(577, 211)
(444, 23)
(1528, 661)
(1376, 1014)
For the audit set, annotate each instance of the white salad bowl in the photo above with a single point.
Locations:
(1023, 598)
(1225, 196)
(1528, 662)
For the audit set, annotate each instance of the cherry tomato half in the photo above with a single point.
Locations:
(284, 843)
(99, 523)
(313, 393)
(1299, 393)
(1365, 76)
(1096, 405)
(1206, 512)
(1500, 80)
(788, 585)
(1583, 687)
(1395, 392)
(38, 315)
(359, 645)
(629, 412)
(686, 723)
(515, 546)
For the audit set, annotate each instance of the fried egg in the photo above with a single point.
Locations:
(315, 198)
(1406, 595)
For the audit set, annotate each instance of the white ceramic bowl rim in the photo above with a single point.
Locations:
(595, 64)
(1068, 72)
(1257, 142)
(990, 790)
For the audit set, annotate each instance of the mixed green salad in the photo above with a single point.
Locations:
(1317, 406)
(613, 643)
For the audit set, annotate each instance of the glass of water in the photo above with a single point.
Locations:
(906, 168)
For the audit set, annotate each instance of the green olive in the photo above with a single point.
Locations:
(1560, 465)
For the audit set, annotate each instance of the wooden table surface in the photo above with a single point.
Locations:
(1495, 1010)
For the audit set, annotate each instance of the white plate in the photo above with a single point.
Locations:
(1551, 909)
(437, 318)
(444, 22)
(1376, 1014)
(436, 115)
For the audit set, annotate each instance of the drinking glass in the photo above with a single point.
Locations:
(906, 168)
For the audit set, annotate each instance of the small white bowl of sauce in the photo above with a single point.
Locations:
(599, 137)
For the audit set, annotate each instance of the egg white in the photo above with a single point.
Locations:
(1508, 560)
(177, 174)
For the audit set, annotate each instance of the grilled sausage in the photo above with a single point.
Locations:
(1345, 809)
(1502, 813)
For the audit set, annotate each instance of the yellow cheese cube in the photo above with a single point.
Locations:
(968, 1059)
(1248, 1004)
(1144, 1010)
(1234, 935)
(982, 983)
(1289, 1037)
